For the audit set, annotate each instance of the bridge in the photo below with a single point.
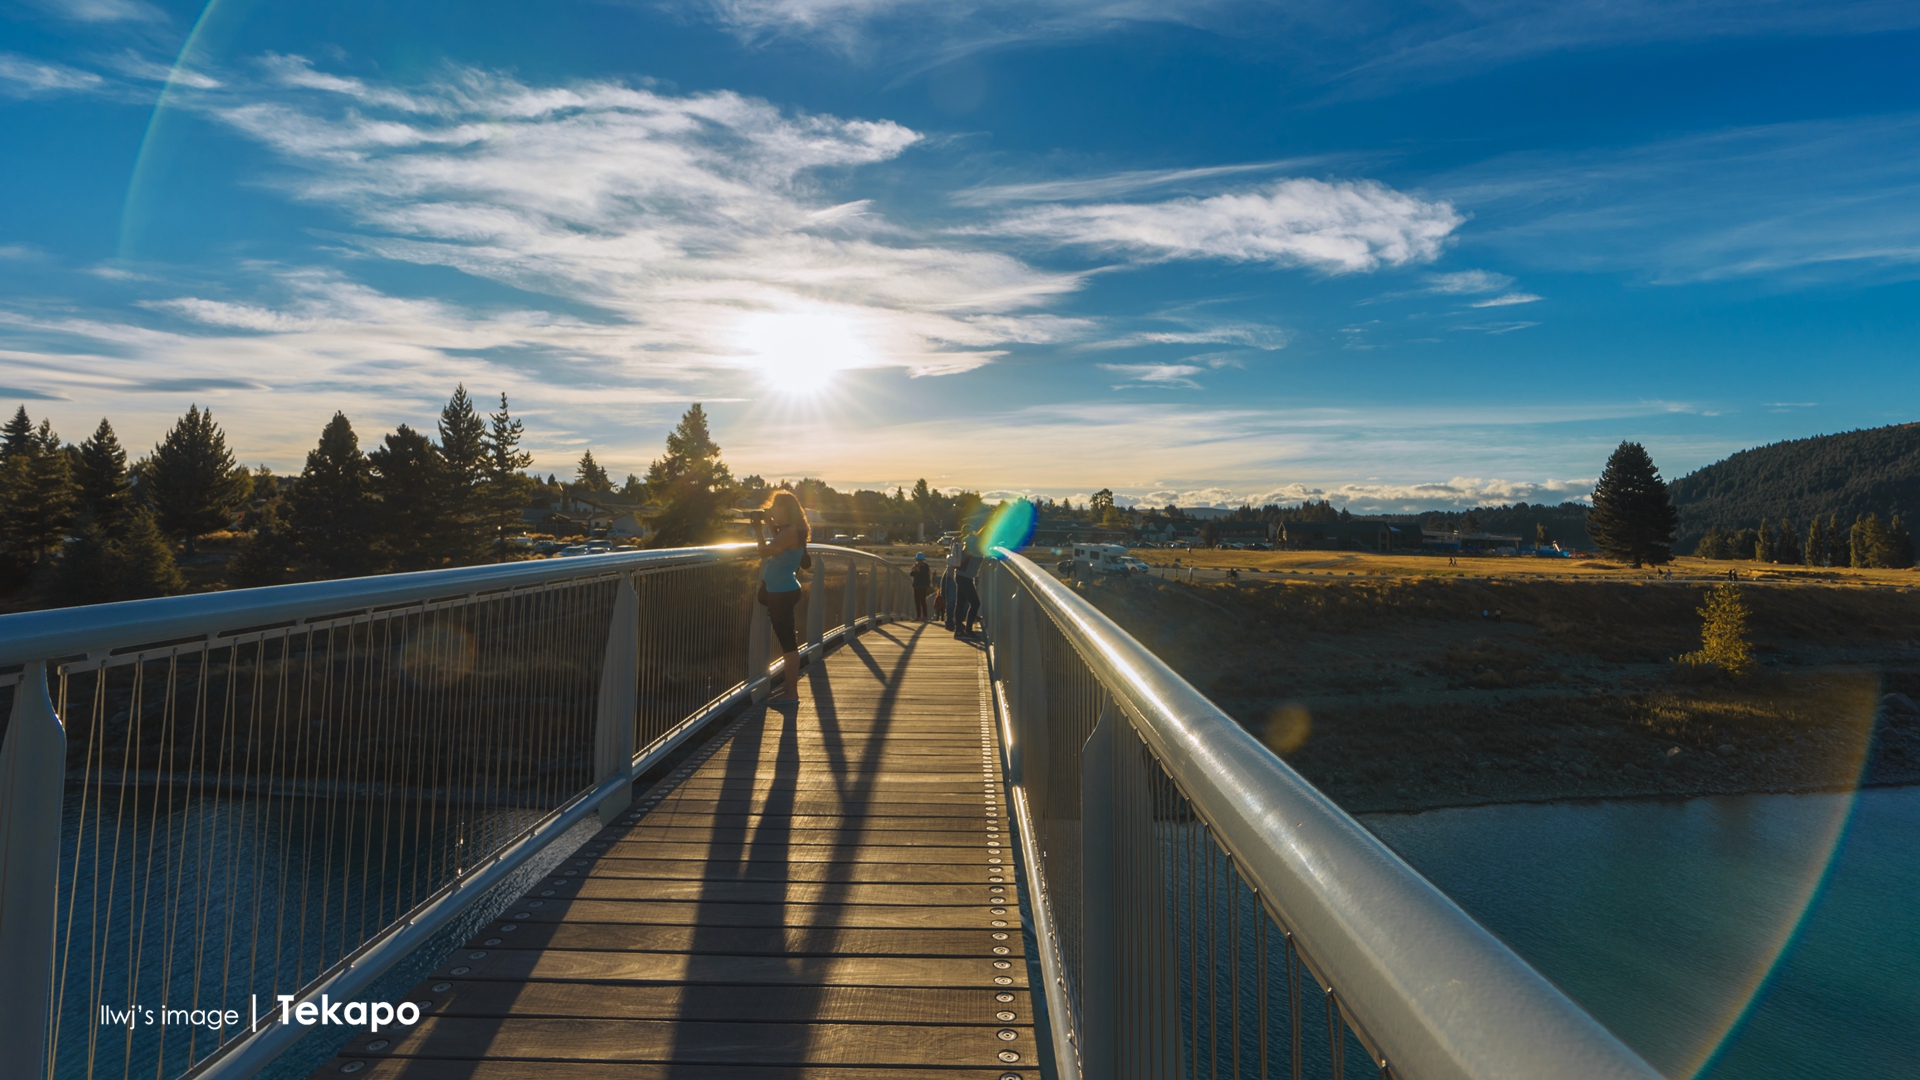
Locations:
(539, 819)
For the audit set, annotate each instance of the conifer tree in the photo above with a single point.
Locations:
(590, 476)
(131, 561)
(330, 512)
(105, 494)
(1723, 632)
(1838, 547)
(1899, 544)
(17, 437)
(1713, 544)
(416, 523)
(268, 555)
(508, 487)
(694, 486)
(1817, 541)
(1763, 545)
(1786, 544)
(464, 512)
(36, 496)
(1863, 539)
(1632, 517)
(191, 481)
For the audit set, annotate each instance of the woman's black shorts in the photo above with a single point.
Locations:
(780, 607)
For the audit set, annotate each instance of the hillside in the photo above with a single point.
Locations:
(1852, 473)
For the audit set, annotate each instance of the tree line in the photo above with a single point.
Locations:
(83, 524)
(1867, 542)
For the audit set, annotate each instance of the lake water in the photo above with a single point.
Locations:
(1734, 937)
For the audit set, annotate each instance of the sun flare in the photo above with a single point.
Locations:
(799, 353)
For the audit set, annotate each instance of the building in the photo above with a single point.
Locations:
(1354, 534)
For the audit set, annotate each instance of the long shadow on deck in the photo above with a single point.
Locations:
(763, 852)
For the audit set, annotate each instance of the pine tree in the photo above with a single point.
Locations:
(508, 487)
(414, 512)
(590, 476)
(693, 485)
(1899, 544)
(1632, 516)
(464, 513)
(105, 494)
(36, 497)
(17, 437)
(1763, 546)
(1713, 544)
(1817, 541)
(330, 512)
(1786, 546)
(1723, 633)
(133, 561)
(268, 554)
(1839, 549)
(191, 481)
(1469, 523)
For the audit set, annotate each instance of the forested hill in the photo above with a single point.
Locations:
(1852, 473)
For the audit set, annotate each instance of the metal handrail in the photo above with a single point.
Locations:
(161, 632)
(1433, 993)
(98, 628)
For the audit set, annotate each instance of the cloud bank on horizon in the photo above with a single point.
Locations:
(886, 239)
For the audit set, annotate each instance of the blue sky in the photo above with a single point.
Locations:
(1399, 255)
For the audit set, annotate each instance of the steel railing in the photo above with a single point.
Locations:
(208, 801)
(1201, 910)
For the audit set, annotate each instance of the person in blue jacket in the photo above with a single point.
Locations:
(781, 553)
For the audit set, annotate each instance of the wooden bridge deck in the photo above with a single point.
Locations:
(822, 891)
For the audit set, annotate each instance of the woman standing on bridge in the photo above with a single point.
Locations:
(779, 580)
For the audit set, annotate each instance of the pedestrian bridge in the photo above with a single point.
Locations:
(537, 820)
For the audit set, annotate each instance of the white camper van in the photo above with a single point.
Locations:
(1105, 559)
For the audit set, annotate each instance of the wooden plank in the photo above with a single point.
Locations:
(829, 892)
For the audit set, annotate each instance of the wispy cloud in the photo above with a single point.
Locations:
(102, 11)
(1795, 202)
(134, 65)
(1116, 185)
(1466, 282)
(1336, 227)
(1151, 375)
(1507, 300)
(680, 215)
(22, 77)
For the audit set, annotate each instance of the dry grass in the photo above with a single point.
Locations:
(1400, 692)
(1321, 564)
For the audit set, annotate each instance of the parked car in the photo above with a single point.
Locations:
(840, 538)
(573, 549)
(547, 547)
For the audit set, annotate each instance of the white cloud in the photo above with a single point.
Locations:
(1335, 227)
(1148, 375)
(1246, 335)
(1466, 282)
(679, 215)
(132, 64)
(1506, 300)
(22, 76)
(104, 10)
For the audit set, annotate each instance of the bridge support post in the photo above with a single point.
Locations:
(33, 765)
(850, 595)
(759, 652)
(817, 609)
(1097, 888)
(619, 700)
(873, 594)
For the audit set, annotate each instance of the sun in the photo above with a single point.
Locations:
(799, 353)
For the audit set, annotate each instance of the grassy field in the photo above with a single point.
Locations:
(1370, 564)
(1405, 690)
